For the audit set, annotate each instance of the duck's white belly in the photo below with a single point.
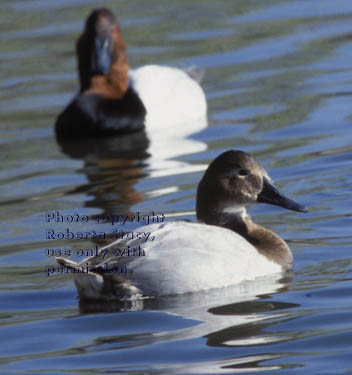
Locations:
(170, 96)
(188, 257)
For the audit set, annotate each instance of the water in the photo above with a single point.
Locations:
(278, 83)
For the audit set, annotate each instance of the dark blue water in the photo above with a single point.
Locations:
(278, 84)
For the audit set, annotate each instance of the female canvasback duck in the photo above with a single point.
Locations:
(114, 100)
(225, 247)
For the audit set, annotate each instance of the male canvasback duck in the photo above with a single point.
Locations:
(225, 247)
(114, 100)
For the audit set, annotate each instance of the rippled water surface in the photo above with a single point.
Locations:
(278, 81)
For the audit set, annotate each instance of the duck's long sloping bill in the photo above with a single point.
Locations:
(270, 194)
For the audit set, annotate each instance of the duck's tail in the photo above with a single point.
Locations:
(68, 263)
(89, 284)
(196, 73)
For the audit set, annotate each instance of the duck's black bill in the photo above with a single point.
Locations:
(101, 56)
(270, 194)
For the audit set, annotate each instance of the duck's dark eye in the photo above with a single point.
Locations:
(243, 172)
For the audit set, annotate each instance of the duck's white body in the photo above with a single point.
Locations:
(180, 257)
(170, 96)
(188, 257)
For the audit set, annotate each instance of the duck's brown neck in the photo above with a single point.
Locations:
(110, 86)
(266, 242)
(113, 85)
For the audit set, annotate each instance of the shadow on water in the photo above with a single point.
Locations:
(112, 166)
(213, 309)
(238, 317)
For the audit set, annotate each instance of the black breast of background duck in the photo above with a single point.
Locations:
(93, 115)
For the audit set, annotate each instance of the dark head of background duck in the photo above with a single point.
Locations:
(102, 58)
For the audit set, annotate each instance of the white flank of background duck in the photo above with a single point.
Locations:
(171, 97)
(224, 248)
